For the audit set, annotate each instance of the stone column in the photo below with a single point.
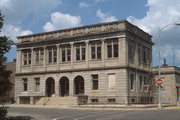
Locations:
(44, 64)
(87, 53)
(32, 59)
(103, 51)
(19, 61)
(58, 57)
(72, 55)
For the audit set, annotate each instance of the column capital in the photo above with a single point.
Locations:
(57, 45)
(18, 49)
(71, 43)
(103, 39)
(87, 41)
(32, 48)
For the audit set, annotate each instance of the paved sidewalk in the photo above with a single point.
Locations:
(101, 107)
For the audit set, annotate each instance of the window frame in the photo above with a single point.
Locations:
(37, 84)
(111, 51)
(81, 54)
(95, 82)
(52, 55)
(25, 84)
(27, 59)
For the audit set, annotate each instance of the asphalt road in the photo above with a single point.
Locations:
(40, 113)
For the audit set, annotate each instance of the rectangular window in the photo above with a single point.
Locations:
(95, 82)
(144, 55)
(115, 49)
(111, 100)
(80, 52)
(94, 100)
(112, 48)
(77, 53)
(25, 84)
(66, 54)
(109, 48)
(111, 81)
(83, 56)
(140, 82)
(96, 51)
(52, 55)
(132, 81)
(93, 52)
(27, 57)
(39, 56)
(37, 84)
(63, 55)
(131, 51)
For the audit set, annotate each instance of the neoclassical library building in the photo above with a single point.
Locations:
(106, 63)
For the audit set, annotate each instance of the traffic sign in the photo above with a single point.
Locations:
(159, 82)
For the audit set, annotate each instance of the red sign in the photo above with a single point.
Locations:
(159, 82)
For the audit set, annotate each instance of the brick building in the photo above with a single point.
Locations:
(102, 63)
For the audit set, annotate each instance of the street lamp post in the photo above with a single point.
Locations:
(159, 58)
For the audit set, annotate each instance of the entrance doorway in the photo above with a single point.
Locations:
(64, 86)
(50, 83)
(79, 85)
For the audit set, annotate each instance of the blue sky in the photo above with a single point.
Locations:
(24, 17)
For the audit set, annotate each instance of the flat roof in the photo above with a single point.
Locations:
(74, 28)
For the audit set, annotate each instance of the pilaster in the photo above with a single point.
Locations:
(103, 51)
(44, 64)
(32, 59)
(58, 55)
(87, 53)
(72, 55)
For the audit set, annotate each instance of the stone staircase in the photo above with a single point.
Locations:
(70, 100)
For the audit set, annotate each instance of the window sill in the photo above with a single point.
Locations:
(24, 92)
(38, 65)
(65, 62)
(114, 58)
(51, 63)
(95, 60)
(80, 61)
(26, 65)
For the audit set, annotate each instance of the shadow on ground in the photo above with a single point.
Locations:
(18, 118)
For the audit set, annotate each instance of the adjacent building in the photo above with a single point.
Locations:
(11, 67)
(170, 90)
(102, 63)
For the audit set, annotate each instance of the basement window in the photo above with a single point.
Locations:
(94, 100)
(111, 100)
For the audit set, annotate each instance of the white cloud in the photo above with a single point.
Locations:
(83, 4)
(60, 20)
(16, 10)
(104, 17)
(97, 1)
(14, 31)
(160, 14)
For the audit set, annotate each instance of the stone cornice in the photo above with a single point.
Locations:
(84, 69)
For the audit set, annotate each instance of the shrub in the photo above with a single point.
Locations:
(3, 111)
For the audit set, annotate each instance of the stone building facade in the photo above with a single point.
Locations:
(105, 63)
(170, 90)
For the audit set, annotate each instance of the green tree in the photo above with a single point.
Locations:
(5, 46)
